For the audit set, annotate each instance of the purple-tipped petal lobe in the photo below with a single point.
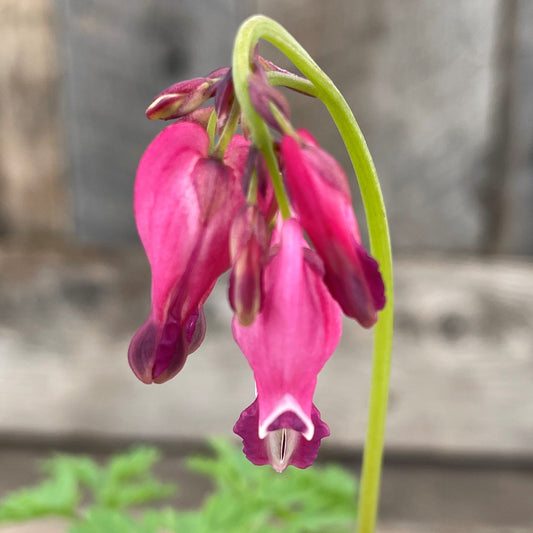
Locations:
(185, 203)
(284, 444)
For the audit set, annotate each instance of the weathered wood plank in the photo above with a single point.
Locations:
(461, 377)
(519, 197)
(32, 155)
(119, 56)
(419, 78)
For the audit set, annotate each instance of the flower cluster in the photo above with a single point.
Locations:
(205, 203)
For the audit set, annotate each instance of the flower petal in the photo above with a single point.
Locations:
(284, 445)
(185, 202)
(321, 198)
(297, 330)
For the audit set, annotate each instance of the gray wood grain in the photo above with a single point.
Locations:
(419, 78)
(461, 376)
(519, 198)
(423, 78)
(119, 56)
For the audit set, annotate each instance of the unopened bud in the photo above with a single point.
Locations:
(180, 99)
(248, 245)
(263, 95)
(225, 95)
(268, 66)
(186, 96)
(266, 199)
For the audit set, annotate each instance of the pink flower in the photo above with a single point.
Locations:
(288, 343)
(185, 202)
(321, 198)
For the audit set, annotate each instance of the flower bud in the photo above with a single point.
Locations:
(269, 66)
(262, 95)
(248, 245)
(224, 98)
(184, 97)
(266, 200)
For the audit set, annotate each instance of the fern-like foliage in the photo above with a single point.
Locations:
(246, 498)
(257, 499)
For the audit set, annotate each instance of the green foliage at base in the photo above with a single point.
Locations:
(246, 498)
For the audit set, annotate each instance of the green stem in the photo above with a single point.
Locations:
(242, 69)
(228, 131)
(250, 32)
(292, 81)
(211, 127)
(283, 122)
(251, 197)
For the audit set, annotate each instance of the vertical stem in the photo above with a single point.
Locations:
(250, 32)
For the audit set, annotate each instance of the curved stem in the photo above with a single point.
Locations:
(291, 81)
(250, 32)
(242, 69)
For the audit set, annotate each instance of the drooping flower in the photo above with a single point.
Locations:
(288, 343)
(321, 198)
(205, 202)
(185, 202)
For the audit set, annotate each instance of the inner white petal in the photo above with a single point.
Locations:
(281, 445)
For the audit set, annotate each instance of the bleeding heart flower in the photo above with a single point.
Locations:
(296, 331)
(321, 198)
(185, 202)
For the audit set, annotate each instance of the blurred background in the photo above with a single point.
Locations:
(444, 95)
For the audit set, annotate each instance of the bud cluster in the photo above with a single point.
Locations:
(204, 207)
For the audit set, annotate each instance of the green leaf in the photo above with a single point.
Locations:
(121, 495)
(57, 495)
(132, 464)
(106, 521)
(172, 521)
(246, 499)
(127, 480)
(258, 500)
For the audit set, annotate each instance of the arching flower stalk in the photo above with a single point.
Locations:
(209, 199)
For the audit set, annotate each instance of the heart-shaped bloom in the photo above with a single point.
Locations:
(185, 202)
(290, 340)
(321, 198)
